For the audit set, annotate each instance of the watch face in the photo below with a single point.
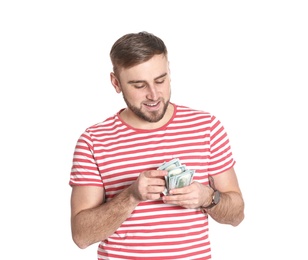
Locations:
(216, 196)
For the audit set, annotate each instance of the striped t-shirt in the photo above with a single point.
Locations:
(111, 154)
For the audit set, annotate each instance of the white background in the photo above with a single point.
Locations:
(244, 61)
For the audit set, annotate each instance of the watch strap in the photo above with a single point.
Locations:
(216, 194)
(215, 200)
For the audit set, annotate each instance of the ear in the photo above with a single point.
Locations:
(115, 82)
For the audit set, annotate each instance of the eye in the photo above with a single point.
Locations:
(139, 86)
(160, 81)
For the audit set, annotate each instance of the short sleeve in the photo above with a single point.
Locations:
(84, 169)
(221, 157)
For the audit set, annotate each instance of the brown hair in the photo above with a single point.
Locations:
(135, 48)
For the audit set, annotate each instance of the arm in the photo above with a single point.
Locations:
(229, 210)
(93, 220)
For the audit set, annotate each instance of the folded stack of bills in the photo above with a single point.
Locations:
(178, 175)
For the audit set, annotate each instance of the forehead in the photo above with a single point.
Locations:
(148, 70)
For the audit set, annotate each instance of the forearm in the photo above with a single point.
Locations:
(229, 210)
(96, 224)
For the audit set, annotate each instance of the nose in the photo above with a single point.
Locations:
(152, 93)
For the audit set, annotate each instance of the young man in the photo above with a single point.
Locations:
(118, 180)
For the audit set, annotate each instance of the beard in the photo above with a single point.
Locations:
(151, 117)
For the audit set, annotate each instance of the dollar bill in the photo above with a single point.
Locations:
(181, 180)
(170, 165)
(178, 174)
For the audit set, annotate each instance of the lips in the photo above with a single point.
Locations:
(152, 105)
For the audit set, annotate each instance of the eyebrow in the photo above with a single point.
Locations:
(142, 81)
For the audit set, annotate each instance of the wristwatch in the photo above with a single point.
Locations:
(215, 199)
(216, 194)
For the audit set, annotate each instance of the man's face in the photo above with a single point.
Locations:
(146, 89)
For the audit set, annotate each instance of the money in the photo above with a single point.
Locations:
(178, 174)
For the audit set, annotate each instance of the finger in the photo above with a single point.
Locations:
(155, 189)
(156, 181)
(153, 196)
(172, 199)
(179, 191)
(180, 201)
(155, 173)
(179, 197)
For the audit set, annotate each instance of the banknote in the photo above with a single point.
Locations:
(178, 174)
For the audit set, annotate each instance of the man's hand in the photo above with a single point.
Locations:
(149, 185)
(193, 196)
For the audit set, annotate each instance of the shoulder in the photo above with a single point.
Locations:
(188, 110)
(109, 124)
(185, 111)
